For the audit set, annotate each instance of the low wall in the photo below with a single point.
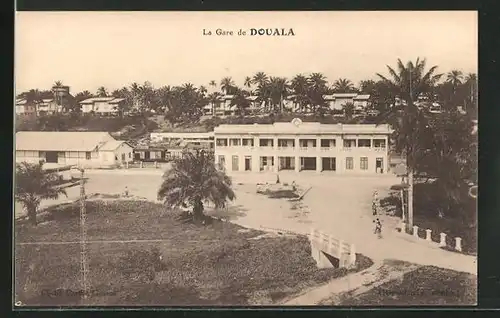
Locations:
(325, 246)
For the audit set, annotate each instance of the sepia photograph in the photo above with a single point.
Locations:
(238, 158)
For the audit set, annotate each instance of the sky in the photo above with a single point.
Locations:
(86, 50)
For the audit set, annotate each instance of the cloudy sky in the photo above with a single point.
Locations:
(86, 50)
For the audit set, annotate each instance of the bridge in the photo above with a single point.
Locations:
(329, 251)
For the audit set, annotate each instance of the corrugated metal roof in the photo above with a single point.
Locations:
(303, 128)
(60, 140)
(116, 100)
(111, 145)
(362, 96)
(96, 99)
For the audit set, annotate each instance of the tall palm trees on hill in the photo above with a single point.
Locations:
(409, 81)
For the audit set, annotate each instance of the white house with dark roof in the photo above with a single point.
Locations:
(102, 105)
(337, 101)
(299, 146)
(62, 148)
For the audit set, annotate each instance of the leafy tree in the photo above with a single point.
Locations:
(409, 81)
(195, 180)
(33, 185)
(278, 91)
(185, 105)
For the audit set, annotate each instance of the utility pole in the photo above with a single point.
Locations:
(84, 268)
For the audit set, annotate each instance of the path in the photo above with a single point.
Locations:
(343, 206)
(357, 283)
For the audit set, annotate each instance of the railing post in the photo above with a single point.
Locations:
(442, 241)
(458, 244)
(428, 235)
(415, 231)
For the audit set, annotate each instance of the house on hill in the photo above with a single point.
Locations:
(105, 106)
(62, 148)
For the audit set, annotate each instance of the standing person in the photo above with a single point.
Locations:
(126, 191)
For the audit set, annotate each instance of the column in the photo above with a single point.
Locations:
(319, 167)
(275, 143)
(276, 164)
(297, 163)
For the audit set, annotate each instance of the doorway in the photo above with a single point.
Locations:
(379, 165)
(248, 163)
(51, 156)
(308, 163)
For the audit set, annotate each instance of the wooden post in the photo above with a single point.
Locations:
(126, 164)
(442, 241)
(403, 215)
(428, 235)
(140, 164)
(415, 231)
(458, 244)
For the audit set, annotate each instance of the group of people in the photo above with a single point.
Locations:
(375, 208)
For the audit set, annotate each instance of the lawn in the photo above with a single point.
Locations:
(427, 285)
(217, 264)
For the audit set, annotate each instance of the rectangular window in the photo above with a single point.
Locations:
(248, 142)
(222, 162)
(379, 143)
(349, 143)
(221, 142)
(349, 163)
(88, 155)
(235, 142)
(129, 155)
(365, 143)
(235, 163)
(363, 163)
(327, 143)
(265, 142)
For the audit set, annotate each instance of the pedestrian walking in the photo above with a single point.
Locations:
(378, 228)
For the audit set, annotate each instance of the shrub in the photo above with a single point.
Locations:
(141, 265)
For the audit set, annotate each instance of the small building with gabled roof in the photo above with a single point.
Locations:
(62, 148)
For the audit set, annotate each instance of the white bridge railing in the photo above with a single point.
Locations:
(325, 243)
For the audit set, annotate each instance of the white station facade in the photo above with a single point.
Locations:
(303, 146)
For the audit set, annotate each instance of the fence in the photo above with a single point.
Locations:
(325, 243)
(428, 237)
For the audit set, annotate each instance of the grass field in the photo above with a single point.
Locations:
(425, 286)
(217, 264)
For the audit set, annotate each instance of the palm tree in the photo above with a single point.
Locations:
(195, 180)
(248, 82)
(240, 102)
(408, 121)
(343, 85)
(34, 184)
(202, 89)
(278, 91)
(214, 99)
(58, 84)
(454, 78)
(348, 109)
(471, 81)
(300, 86)
(367, 86)
(102, 92)
(317, 89)
(226, 84)
(83, 96)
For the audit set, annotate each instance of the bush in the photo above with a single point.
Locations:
(141, 265)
